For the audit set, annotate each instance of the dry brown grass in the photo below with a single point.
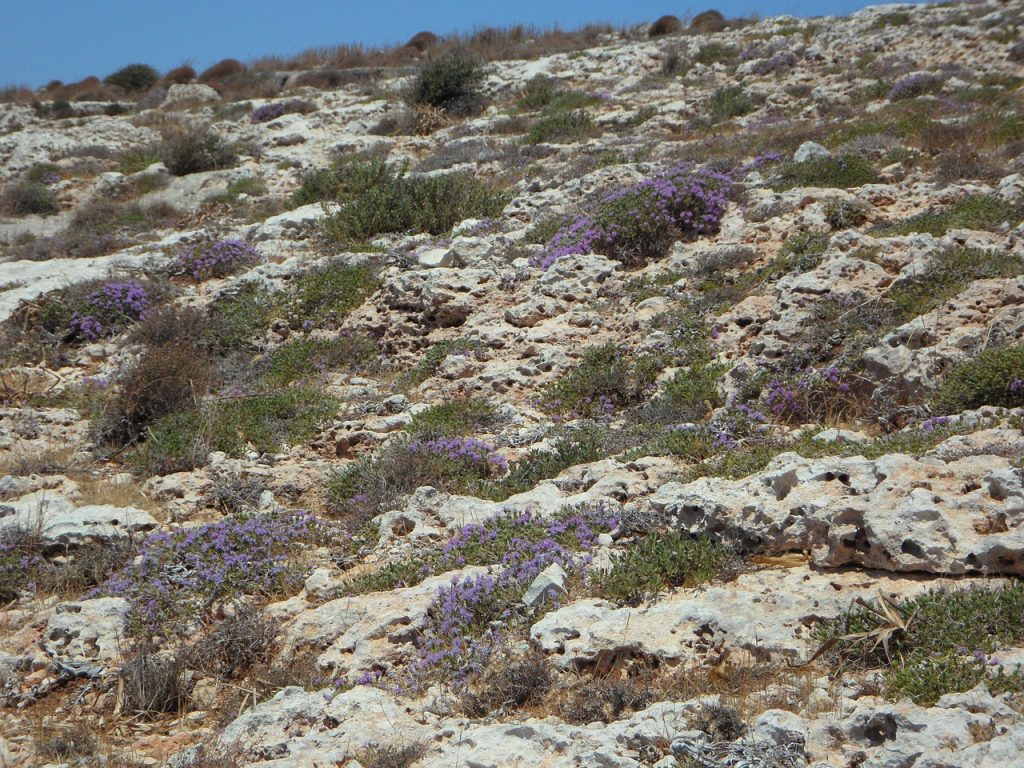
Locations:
(20, 385)
(51, 461)
(124, 492)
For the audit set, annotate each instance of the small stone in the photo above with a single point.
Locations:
(810, 150)
(549, 582)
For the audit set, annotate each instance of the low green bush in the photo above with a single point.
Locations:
(658, 561)
(728, 102)
(561, 128)
(134, 77)
(844, 172)
(982, 212)
(606, 378)
(992, 377)
(939, 642)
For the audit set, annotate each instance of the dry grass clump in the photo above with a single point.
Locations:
(520, 681)
(152, 684)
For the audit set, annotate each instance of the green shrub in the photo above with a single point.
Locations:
(606, 378)
(267, 421)
(135, 160)
(347, 177)
(716, 53)
(691, 393)
(460, 417)
(561, 128)
(728, 102)
(25, 198)
(543, 92)
(307, 358)
(893, 19)
(659, 561)
(194, 150)
(947, 643)
(396, 202)
(842, 172)
(324, 295)
(579, 446)
(982, 212)
(992, 377)
(179, 442)
(452, 82)
(134, 77)
(43, 172)
(236, 319)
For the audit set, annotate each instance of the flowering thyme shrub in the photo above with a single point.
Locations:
(460, 631)
(181, 576)
(916, 84)
(217, 259)
(639, 223)
(812, 395)
(109, 309)
(272, 111)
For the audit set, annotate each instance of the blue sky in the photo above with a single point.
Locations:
(43, 40)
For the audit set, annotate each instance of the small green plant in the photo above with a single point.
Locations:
(982, 212)
(992, 377)
(451, 81)
(843, 172)
(542, 92)
(308, 358)
(843, 214)
(659, 561)
(728, 102)
(236, 319)
(395, 202)
(948, 273)
(459, 417)
(893, 19)
(432, 359)
(561, 128)
(134, 77)
(324, 295)
(267, 421)
(606, 378)
(939, 642)
(716, 53)
(134, 160)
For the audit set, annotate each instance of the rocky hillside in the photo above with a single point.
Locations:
(626, 397)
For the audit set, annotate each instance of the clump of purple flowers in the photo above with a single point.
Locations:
(811, 394)
(916, 84)
(469, 454)
(471, 616)
(181, 575)
(272, 111)
(108, 309)
(639, 223)
(217, 259)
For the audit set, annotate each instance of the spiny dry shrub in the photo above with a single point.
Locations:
(179, 75)
(195, 149)
(720, 722)
(235, 494)
(152, 683)
(607, 698)
(708, 22)
(393, 757)
(26, 198)
(234, 645)
(222, 69)
(666, 25)
(170, 324)
(509, 684)
(166, 379)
